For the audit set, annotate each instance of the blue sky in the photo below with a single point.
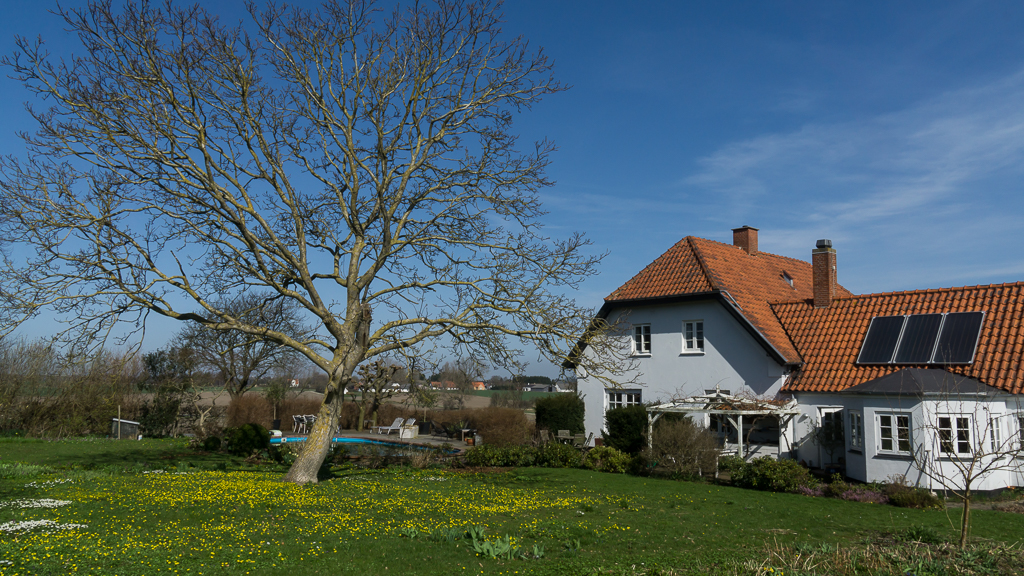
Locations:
(895, 129)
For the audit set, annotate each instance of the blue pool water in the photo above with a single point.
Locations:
(339, 439)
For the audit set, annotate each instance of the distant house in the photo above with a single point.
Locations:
(479, 386)
(895, 372)
(542, 388)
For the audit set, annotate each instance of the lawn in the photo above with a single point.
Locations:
(115, 514)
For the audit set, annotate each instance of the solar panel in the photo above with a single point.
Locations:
(958, 338)
(918, 340)
(880, 342)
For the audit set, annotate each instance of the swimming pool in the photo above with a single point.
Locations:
(340, 440)
(352, 444)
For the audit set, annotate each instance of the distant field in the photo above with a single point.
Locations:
(109, 513)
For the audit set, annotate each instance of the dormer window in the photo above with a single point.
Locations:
(788, 279)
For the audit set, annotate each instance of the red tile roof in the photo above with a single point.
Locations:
(696, 266)
(829, 339)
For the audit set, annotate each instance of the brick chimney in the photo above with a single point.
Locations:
(746, 238)
(823, 264)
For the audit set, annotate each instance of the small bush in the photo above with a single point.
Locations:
(915, 498)
(922, 534)
(606, 459)
(767, 473)
(561, 412)
(211, 444)
(246, 439)
(903, 495)
(555, 455)
(627, 428)
(839, 488)
(684, 450)
(492, 455)
(730, 462)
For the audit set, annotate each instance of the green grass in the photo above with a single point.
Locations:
(402, 520)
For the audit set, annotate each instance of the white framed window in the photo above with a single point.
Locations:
(1020, 429)
(954, 434)
(693, 336)
(894, 433)
(856, 430)
(621, 398)
(642, 339)
(995, 433)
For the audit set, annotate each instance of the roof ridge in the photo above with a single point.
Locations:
(759, 252)
(907, 292)
(703, 265)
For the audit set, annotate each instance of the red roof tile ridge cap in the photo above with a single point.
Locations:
(759, 252)
(700, 261)
(933, 290)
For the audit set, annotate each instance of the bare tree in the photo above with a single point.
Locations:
(242, 359)
(358, 163)
(964, 438)
(377, 377)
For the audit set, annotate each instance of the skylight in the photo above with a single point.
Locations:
(947, 338)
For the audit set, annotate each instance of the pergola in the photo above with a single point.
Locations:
(733, 408)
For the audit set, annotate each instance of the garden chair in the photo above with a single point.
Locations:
(437, 430)
(396, 426)
(298, 424)
(581, 441)
(545, 436)
(450, 431)
(564, 436)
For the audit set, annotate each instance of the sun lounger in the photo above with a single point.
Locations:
(396, 426)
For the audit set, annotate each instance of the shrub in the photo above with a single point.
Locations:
(159, 417)
(249, 409)
(684, 450)
(606, 459)
(767, 473)
(211, 444)
(923, 534)
(902, 494)
(641, 464)
(560, 412)
(730, 463)
(501, 426)
(626, 428)
(246, 438)
(555, 455)
(492, 455)
(915, 498)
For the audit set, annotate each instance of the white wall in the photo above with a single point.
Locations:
(732, 358)
(871, 464)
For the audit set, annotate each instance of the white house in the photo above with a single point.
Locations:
(707, 315)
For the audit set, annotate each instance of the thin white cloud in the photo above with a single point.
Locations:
(885, 184)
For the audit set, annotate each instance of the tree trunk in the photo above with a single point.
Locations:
(318, 442)
(965, 520)
(362, 417)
